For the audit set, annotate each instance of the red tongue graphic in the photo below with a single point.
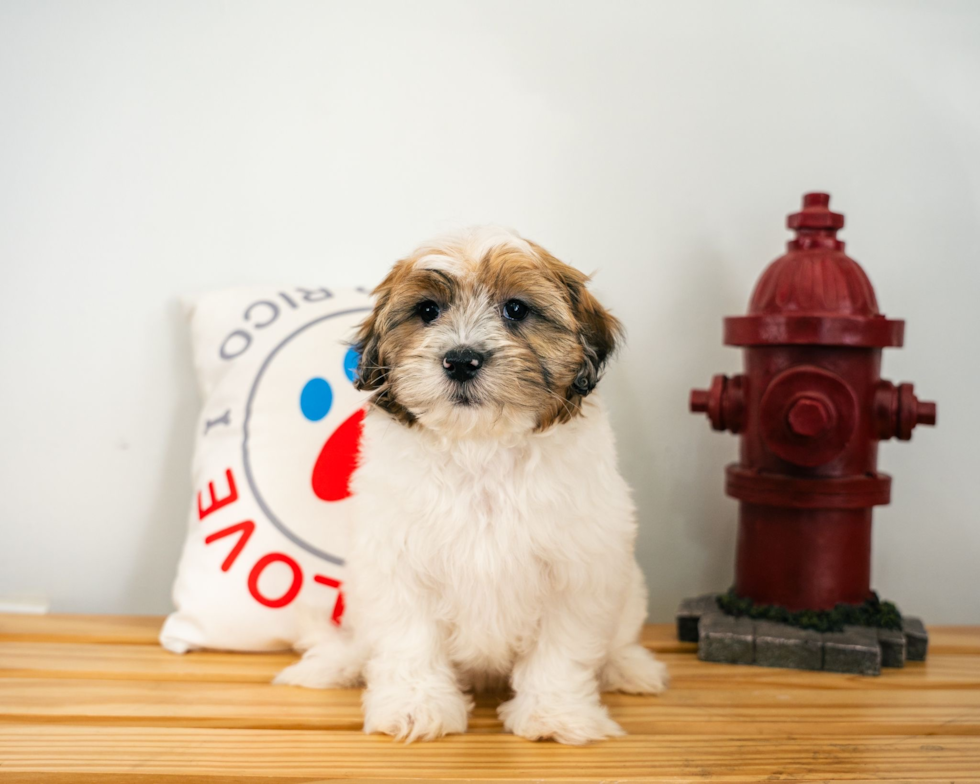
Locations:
(338, 459)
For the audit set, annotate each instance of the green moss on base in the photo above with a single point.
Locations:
(876, 613)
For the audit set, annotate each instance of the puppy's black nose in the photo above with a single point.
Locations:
(461, 364)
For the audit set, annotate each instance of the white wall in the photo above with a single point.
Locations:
(149, 149)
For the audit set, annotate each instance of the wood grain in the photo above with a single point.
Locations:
(333, 755)
(145, 630)
(135, 662)
(132, 629)
(688, 711)
(94, 699)
(145, 662)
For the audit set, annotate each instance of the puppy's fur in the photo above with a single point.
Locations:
(494, 541)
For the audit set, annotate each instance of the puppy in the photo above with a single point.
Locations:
(494, 537)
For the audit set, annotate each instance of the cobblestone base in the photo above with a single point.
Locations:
(857, 649)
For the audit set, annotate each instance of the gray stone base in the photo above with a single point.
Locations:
(857, 649)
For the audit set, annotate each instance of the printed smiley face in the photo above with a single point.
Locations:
(338, 458)
(298, 462)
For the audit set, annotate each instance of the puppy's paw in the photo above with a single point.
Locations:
(309, 674)
(321, 672)
(414, 715)
(634, 670)
(575, 724)
(334, 662)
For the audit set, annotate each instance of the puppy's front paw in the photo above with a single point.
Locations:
(634, 670)
(314, 674)
(303, 674)
(323, 667)
(415, 715)
(575, 723)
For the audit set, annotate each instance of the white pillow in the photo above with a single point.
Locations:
(276, 443)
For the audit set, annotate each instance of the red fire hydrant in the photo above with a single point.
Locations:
(810, 408)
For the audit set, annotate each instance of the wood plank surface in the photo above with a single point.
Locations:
(145, 662)
(338, 755)
(145, 629)
(131, 629)
(136, 662)
(95, 699)
(688, 711)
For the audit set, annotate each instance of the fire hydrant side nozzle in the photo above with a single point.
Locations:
(723, 402)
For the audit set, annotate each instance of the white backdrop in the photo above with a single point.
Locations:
(151, 149)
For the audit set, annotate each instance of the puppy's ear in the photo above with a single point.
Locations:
(371, 369)
(599, 332)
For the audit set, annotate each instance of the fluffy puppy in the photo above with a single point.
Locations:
(494, 536)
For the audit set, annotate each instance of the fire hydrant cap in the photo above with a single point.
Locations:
(815, 214)
(814, 294)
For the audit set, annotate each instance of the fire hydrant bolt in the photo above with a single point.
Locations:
(808, 417)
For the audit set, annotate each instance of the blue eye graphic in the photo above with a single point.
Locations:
(351, 358)
(315, 399)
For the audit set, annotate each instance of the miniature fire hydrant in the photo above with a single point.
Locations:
(810, 409)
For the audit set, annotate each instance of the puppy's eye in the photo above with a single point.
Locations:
(515, 310)
(428, 310)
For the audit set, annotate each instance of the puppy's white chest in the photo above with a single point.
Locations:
(493, 580)
(486, 569)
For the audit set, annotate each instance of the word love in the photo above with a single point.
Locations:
(240, 533)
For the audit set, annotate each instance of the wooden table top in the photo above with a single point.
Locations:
(95, 699)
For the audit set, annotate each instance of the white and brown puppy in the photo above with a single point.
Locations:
(494, 537)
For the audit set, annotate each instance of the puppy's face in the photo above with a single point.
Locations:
(483, 333)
